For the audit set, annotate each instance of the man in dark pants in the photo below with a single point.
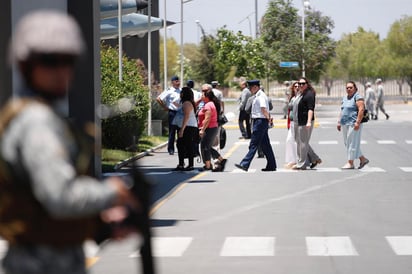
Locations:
(244, 116)
(169, 100)
(260, 123)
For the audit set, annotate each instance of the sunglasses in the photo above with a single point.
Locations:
(349, 87)
(302, 84)
(54, 60)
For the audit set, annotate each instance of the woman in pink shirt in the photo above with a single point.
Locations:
(208, 128)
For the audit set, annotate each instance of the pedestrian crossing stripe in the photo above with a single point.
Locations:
(372, 169)
(328, 142)
(248, 246)
(401, 245)
(386, 142)
(238, 170)
(330, 246)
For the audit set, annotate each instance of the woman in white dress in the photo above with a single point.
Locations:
(290, 148)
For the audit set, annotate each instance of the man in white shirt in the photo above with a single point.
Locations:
(169, 100)
(260, 124)
(380, 100)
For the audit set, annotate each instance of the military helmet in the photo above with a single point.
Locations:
(45, 32)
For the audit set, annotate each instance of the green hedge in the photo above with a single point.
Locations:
(124, 104)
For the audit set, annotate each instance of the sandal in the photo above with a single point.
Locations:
(347, 166)
(363, 164)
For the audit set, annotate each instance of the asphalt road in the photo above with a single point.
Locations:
(317, 221)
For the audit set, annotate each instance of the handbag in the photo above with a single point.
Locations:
(222, 119)
(365, 118)
(178, 119)
(222, 138)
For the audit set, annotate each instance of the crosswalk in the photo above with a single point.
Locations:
(266, 246)
(337, 142)
(366, 169)
(321, 170)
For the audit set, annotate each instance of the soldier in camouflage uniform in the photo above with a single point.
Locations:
(49, 205)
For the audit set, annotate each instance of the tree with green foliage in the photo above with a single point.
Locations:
(125, 104)
(238, 55)
(172, 57)
(203, 65)
(399, 54)
(359, 54)
(281, 33)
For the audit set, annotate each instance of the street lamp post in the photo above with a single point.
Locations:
(181, 39)
(306, 5)
(165, 76)
(198, 27)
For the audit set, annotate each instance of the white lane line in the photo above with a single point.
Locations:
(386, 142)
(167, 246)
(248, 246)
(406, 169)
(328, 142)
(363, 142)
(330, 246)
(372, 169)
(409, 142)
(238, 170)
(401, 245)
(328, 169)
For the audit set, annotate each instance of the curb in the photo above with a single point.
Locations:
(123, 163)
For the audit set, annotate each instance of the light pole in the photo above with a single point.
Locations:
(256, 20)
(198, 27)
(306, 5)
(119, 27)
(165, 48)
(250, 23)
(181, 38)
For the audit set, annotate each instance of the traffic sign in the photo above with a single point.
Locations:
(289, 64)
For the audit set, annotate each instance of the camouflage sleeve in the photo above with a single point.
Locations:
(45, 148)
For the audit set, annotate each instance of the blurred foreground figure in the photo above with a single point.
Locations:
(49, 205)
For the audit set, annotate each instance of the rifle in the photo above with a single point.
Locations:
(140, 187)
(141, 190)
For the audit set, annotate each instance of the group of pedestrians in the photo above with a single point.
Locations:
(375, 101)
(194, 116)
(201, 123)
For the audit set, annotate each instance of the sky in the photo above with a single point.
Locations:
(348, 15)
